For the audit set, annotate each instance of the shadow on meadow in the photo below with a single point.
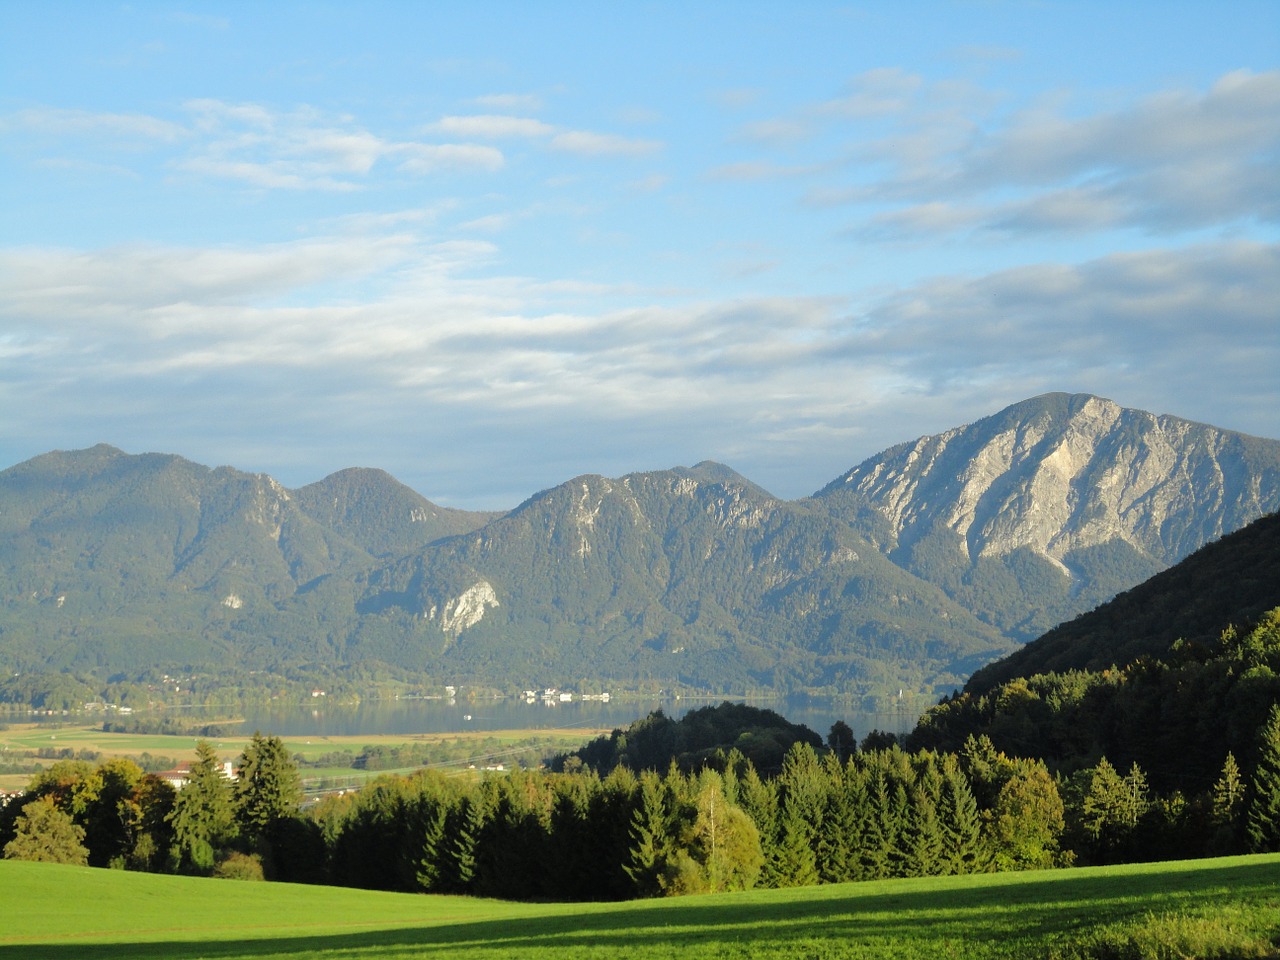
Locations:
(1048, 905)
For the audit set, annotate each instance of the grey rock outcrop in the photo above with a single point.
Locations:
(1104, 494)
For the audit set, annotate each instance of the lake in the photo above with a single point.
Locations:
(414, 716)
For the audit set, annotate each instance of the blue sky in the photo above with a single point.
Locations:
(491, 246)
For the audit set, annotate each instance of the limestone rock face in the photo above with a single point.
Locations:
(1064, 472)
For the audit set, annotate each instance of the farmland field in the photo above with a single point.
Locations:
(1227, 907)
(19, 738)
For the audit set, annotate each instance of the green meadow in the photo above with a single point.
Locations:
(1209, 908)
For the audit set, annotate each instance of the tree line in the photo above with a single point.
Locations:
(830, 814)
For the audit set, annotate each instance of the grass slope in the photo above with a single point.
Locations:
(62, 913)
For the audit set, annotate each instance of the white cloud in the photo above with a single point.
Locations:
(522, 102)
(1176, 160)
(84, 123)
(296, 150)
(653, 183)
(942, 159)
(885, 90)
(747, 170)
(271, 176)
(439, 334)
(602, 144)
(492, 223)
(491, 127)
(429, 158)
(776, 131)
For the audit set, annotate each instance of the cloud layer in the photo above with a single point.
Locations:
(489, 275)
(747, 380)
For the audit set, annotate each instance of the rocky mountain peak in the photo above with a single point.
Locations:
(1064, 472)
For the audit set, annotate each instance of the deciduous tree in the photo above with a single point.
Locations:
(47, 834)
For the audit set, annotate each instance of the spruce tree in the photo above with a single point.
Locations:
(202, 818)
(802, 802)
(431, 825)
(267, 786)
(759, 800)
(1262, 825)
(963, 848)
(650, 837)
(838, 835)
(1228, 805)
(880, 832)
(468, 825)
(923, 839)
(1102, 812)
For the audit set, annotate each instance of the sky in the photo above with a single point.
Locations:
(489, 247)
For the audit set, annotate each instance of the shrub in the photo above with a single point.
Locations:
(239, 866)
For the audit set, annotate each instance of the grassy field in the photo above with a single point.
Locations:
(21, 737)
(1212, 908)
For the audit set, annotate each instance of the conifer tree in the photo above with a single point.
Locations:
(881, 831)
(203, 818)
(896, 822)
(610, 820)
(963, 847)
(1262, 825)
(267, 786)
(838, 835)
(1111, 810)
(467, 828)
(650, 836)
(923, 836)
(1228, 806)
(430, 819)
(759, 800)
(801, 804)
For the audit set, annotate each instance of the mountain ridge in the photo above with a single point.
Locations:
(1072, 482)
(910, 570)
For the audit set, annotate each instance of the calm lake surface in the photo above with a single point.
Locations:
(408, 717)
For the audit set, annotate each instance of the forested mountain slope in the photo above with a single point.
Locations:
(694, 574)
(1232, 581)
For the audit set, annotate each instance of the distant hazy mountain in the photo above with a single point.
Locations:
(381, 515)
(912, 570)
(122, 561)
(696, 575)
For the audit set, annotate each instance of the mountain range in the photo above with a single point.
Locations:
(911, 570)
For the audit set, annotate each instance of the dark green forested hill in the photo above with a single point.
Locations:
(1230, 581)
(1172, 675)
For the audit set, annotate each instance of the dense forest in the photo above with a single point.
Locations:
(669, 807)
